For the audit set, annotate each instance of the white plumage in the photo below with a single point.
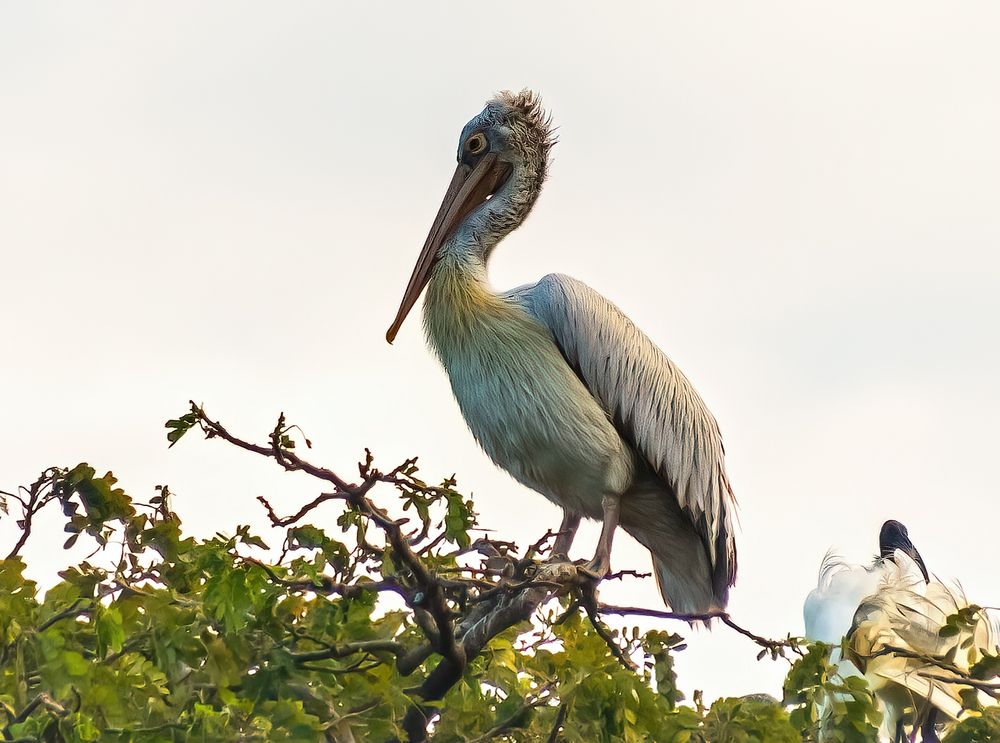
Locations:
(889, 612)
(908, 613)
(830, 607)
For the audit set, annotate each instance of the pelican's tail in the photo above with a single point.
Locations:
(688, 582)
(686, 594)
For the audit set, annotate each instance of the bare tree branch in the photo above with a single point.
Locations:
(772, 646)
(35, 500)
(41, 700)
(538, 699)
(343, 651)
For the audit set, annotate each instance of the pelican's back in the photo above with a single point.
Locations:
(681, 506)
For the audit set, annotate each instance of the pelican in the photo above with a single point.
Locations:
(895, 603)
(559, 387)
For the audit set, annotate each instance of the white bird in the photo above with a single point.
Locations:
(559, 387)
(891, 611)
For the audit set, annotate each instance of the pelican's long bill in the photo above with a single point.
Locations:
(470, 187)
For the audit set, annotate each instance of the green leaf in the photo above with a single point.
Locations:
(306, 537)
(180, 426)
(987, 667)
(75, 663)
(110, 632)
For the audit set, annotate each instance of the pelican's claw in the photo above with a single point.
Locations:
(596, 570)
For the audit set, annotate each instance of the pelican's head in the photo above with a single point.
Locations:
(503, 156)
(894, 536)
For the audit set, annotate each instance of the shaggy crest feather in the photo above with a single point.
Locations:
(523, 112)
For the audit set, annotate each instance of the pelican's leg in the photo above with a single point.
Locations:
(601, 564)
(567, 531)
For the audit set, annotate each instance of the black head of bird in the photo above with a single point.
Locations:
(894, 536)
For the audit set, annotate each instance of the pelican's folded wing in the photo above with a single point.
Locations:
(653, 404)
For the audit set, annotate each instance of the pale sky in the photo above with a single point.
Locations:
(797, 201)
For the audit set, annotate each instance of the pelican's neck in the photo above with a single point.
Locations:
(496, 218)
(459, 299)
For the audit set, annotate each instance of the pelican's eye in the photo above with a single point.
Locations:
(476, 144)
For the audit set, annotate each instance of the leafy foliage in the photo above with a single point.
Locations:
(979, 729)
(374, 622)
(830, 707)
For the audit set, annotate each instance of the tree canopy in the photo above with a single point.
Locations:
(381, 616)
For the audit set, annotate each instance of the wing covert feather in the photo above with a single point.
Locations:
(648, 397)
